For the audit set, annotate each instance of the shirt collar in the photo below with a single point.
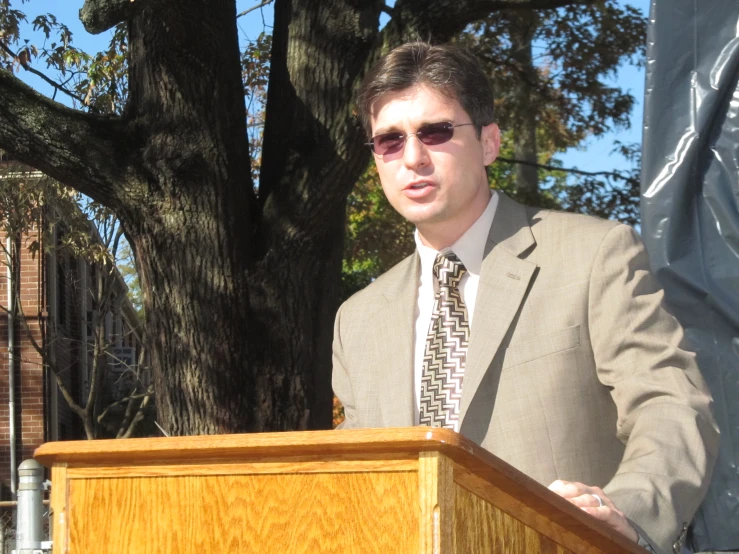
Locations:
(469, 248)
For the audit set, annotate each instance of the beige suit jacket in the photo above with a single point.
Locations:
(574, 369)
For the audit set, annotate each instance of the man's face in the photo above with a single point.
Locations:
(443, 188)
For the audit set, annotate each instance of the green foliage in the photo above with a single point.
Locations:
(613, 196)
(576, 51)
(255, 75)
(10, 23)
(377, 237)
(255, 69)
(127, 268)
(502, 175)
(103, 78)
(97, 82)
(30, 201)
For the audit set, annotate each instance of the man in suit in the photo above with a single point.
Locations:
(543, 332)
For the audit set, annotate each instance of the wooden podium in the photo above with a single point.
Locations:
(415, 490)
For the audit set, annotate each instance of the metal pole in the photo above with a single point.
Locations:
(29, 533)
(11, 363)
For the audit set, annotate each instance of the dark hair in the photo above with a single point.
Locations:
(448, 69)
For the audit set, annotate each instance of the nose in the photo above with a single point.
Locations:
(415, 153)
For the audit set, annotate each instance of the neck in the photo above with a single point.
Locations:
(442, 235)
(440, 239)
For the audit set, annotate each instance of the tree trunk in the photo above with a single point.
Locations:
(190, 217)
(523, 27)
(313, 153)
(240, 293)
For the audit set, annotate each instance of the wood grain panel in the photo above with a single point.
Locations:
(481, 527)
(336, 464)
(59, 527)
(436, 501)
(295, 514)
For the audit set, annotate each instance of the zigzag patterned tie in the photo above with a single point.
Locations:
(446, 347)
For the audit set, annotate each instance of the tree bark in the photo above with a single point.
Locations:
(95, 154)
(440, 20)
(191, 226)
(100, 15)
(313, 153)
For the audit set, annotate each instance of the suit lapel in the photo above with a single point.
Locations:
(504, 280)
(394, 345)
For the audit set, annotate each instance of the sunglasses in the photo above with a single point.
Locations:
(430, 135)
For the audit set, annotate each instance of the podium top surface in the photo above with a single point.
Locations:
(191, 449)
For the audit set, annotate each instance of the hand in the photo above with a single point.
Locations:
(582, 496)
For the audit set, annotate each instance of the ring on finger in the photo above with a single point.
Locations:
(599, 499)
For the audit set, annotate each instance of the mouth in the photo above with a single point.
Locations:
(420, 191)
(418, 186)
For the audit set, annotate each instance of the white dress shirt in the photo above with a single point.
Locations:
(470, 249)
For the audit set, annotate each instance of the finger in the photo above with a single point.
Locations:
(609, 516)
(612, 518)
(603, 513)
(597, 493)
(587, 501)
(569, 489)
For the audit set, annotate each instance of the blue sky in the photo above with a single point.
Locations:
(594, 155)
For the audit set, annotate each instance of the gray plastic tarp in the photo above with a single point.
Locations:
(690, 214)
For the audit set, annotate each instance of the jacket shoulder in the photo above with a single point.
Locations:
(545, 220)
(574, 232)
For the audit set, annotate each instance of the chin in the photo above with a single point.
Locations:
(418, 215)
(419, 220)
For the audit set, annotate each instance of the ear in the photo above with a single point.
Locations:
(490, 138)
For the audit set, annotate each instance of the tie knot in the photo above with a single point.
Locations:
(448, 269)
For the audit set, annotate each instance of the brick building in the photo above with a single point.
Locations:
(56, 310)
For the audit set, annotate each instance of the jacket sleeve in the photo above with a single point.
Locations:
(663, 404)
(340, 378)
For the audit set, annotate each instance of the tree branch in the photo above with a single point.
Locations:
(613, 174)
(89, 152)
(100, 15)
(440, 20)
(254, 8)
(104, 414)
(25, 65)
(125, 433)
(53, 367)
